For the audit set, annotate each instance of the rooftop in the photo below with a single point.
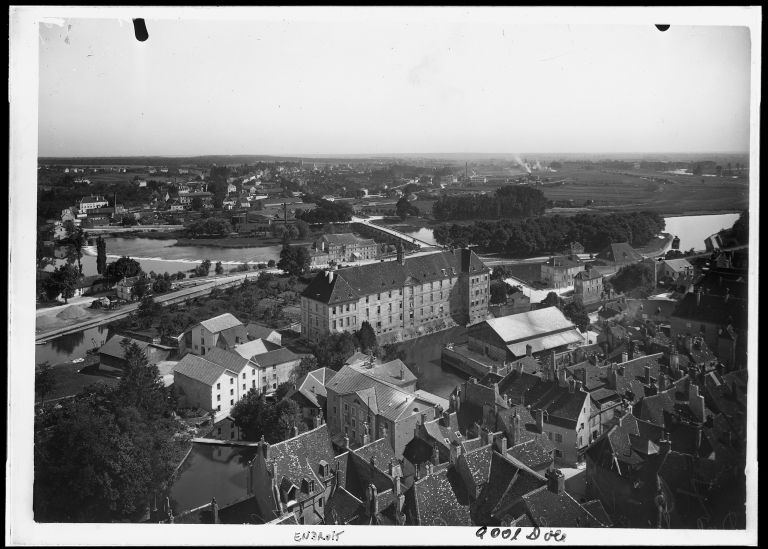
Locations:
(522, 326)
(221, 322)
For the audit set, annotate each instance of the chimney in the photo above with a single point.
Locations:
(647, 373)
(501, 444)
(516, 434)
(696, 402)
(384, 432)
(561, 378)
(264, 448)
(346, 442)
(698, 296)
(430, 466)
(540, 420)
(372, 463)
(215, 511)
(571, 385)
(483, 435)
(454, 452)
(662, 382)
(435, 455)
(395, 471)
(366, 434)
(688, 342)
(665, 445)
(330, 277)
(317, 421)
(402, 372)
(295, 431)
(612, 376)
(579, 385)
(528, 350)
(372, 500)
(624, 357)
(555, 481)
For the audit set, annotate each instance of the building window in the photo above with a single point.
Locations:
(218, 398)
(232, 402)
(231, 381)
(549, 435)
(253, 384)
(243, 386)
(243, 375)
(346, 407)
(231, 392)
(558, 437)
(274, 385)
(218, 385)
(218, 408)
(558, 454)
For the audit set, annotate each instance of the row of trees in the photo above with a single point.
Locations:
(212, 226)
(512, 201)
(101, 456)
(553, 234)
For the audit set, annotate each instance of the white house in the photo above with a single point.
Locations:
(199, 383)
(205, 336)
(91, 202)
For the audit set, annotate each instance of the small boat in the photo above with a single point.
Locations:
(676, 243)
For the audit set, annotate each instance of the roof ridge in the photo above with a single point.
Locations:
(324, 425)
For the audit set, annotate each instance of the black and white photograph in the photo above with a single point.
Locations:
(304, 271)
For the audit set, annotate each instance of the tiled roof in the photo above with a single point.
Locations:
(479, 464)
(355, 282)
(620, 252)
(342, 507)
(566, 261)
(436, 502)
(221, 322)
(257, 331)
(113, 346)
(596, 509)
(255, 347)
(299, 457)
(380, 450)
(534, 453)
(389, 371)
(312, 385)
(234, 335)
(678, 265)
(558, 510)
(562, 405)
(391, 401)
(273, 358)
(522, 326)
(588, 275)
(199, 369)
(227, 359)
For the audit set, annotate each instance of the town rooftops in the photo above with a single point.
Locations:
(522, 326)
(712, 309)
(436, 504)
(233, 335)
(591, 274)
(548, 508)
(312, 385)
(394, 371)
(678, 265)
(221, 322)
(352, 283)
(199, 369)
(227, 359)
(92, 199)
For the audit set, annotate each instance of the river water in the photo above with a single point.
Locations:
(693, 229)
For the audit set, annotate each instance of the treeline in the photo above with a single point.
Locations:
(327, 212)
(211, 226)
(507, 202)
(544, 235)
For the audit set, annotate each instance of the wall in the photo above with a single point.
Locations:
(192, 393)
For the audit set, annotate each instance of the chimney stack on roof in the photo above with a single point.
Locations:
(698, 296)
(516, 434)
(215, 510)
(528, 349)
(435, 455)
(624, 357)
(540, 420)
(330, 277)
(555, 481)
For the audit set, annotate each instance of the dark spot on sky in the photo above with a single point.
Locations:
(140, 29)
(662, 28)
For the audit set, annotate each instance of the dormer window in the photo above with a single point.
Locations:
(458, 434)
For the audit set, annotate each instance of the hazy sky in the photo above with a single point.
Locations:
(250, 87)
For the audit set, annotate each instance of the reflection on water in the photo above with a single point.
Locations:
(423, 356)
(211, 470)
(68, 347)
(693, 229)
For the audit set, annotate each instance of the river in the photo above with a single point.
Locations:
(693, 229)
(71, 346)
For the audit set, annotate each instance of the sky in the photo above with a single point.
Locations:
(199, 87)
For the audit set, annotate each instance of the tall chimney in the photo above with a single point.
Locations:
(696, 402)
(698, 296)
(647, 373)
(516, 434)
(528, 350)
(215, 510)
(540, 420)
(330, 277)
(555, 481)
(435, 455)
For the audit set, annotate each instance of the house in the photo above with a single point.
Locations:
(200, 383)
(89, 202)
(558, 271)
(112, 354)
(205, 335)
(126, 288)
(511, 337)
(254, 347)
(225, 429)
(275, 367)
(346, 247)
(588, 286)
(175, 205)
(363, 405)
(310, 394)
(399, 298)
(674, 269)
(259, 331)
(619, 254)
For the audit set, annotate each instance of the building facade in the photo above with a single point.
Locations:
(346, 247)
(558, 271)
(402, 298)
(588, 286)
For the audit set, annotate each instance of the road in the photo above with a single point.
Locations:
(202, 288)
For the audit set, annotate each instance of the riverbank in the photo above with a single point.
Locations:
(182, 239)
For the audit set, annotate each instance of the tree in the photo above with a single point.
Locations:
(552, 300)
(76, 240)
(366, 337)
(333, 350)
(574, 311)
(306, 365)
(45, 380)
(275, 422)
(161, 285)
(101, 255)
(271, 263)
(141, 287)
(128, 221)
(219, 268)
(303, 228)
(294, 260)
(148, 308)
(204, 268)
(499, 291)
(62, 282)
(637, 279)
(282, 390)
(123, 267)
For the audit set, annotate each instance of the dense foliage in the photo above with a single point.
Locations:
(334, 349)
(123, 267)
(101, 255)
(327, 211)
(636, 279)
(553, 234)
(63, 281)
(740, 230)
(294, 260)
(211, 226)
(102, 456)
(575, 312)
(507, 202)
(256, 417)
